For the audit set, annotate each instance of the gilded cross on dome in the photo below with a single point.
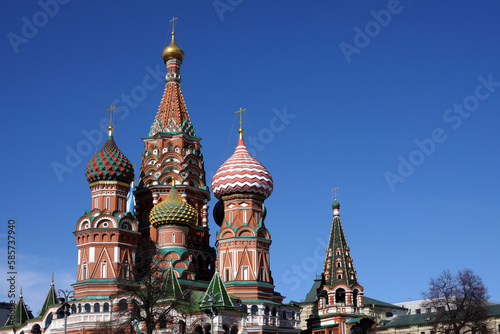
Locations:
(335, 190)
(173, 22)
(240, 131)
(110, 128)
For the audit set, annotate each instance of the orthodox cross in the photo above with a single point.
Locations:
(111, 107)
(173, 22)
(241, 112)
(335, 190)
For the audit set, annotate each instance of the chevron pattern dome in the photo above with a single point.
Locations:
(109, 164)
(173, 211)
(242, 173)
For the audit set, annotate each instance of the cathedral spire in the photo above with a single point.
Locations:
(172, 116)
(51, 298)
(21, 313)
(338, 266)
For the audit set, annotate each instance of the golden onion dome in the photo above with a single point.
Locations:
(172, 51)
(173, 211)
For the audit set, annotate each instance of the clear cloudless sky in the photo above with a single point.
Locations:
(360, 95)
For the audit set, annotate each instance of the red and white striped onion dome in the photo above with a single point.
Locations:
(242, 174)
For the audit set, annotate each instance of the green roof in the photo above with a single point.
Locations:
(426, 318)
(371, 301)
(218, 292)
(171, 285)
(311, 296)
(20, 315)
(51, 299)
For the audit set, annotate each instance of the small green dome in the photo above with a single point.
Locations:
(173, 211)
(335, 205)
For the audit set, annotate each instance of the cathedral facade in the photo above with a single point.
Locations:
(163, 248)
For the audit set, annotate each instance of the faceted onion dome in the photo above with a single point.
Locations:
(172, 51)
(336, 205)
(173, 211)
(242, 173)
(109, 164)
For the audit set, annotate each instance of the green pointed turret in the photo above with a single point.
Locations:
(338, 267)
(20, 315)
(217, 290)
(170, 285)
(51, 299)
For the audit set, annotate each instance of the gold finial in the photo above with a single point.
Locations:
(21, 292)
(52, 283)
(173, 181)
(240, 131)
(335, 190)
(110, 127)
(173, 22)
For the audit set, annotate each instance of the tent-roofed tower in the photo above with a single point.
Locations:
(20, 315)
(50, 299)
(173, 150)
(339, 295)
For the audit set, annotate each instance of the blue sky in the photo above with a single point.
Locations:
(395, 103)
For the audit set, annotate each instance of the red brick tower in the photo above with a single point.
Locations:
(107, 235)
(242, 184)
(340, 296)
(172, 149)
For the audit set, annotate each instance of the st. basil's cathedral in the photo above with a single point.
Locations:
(232, 289)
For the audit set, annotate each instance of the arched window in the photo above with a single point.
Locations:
(199, 263)
(105, 307)
(104, 270)
(253, 310)
(48, 321)
(225, 328)
(244, 217)
(198, 330)
(97, 308)
(182, 327)
(122, 305)
(266, 310)
(107, 203)
(293, 315)
(234, 329)
(355, 297)
(283, 315)
(36, 329)
(163, 323)
(230, 217)
(87, 308)
(73, 309)
(340, 297)
(273, 311)
(79, 308)
(244, 308)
